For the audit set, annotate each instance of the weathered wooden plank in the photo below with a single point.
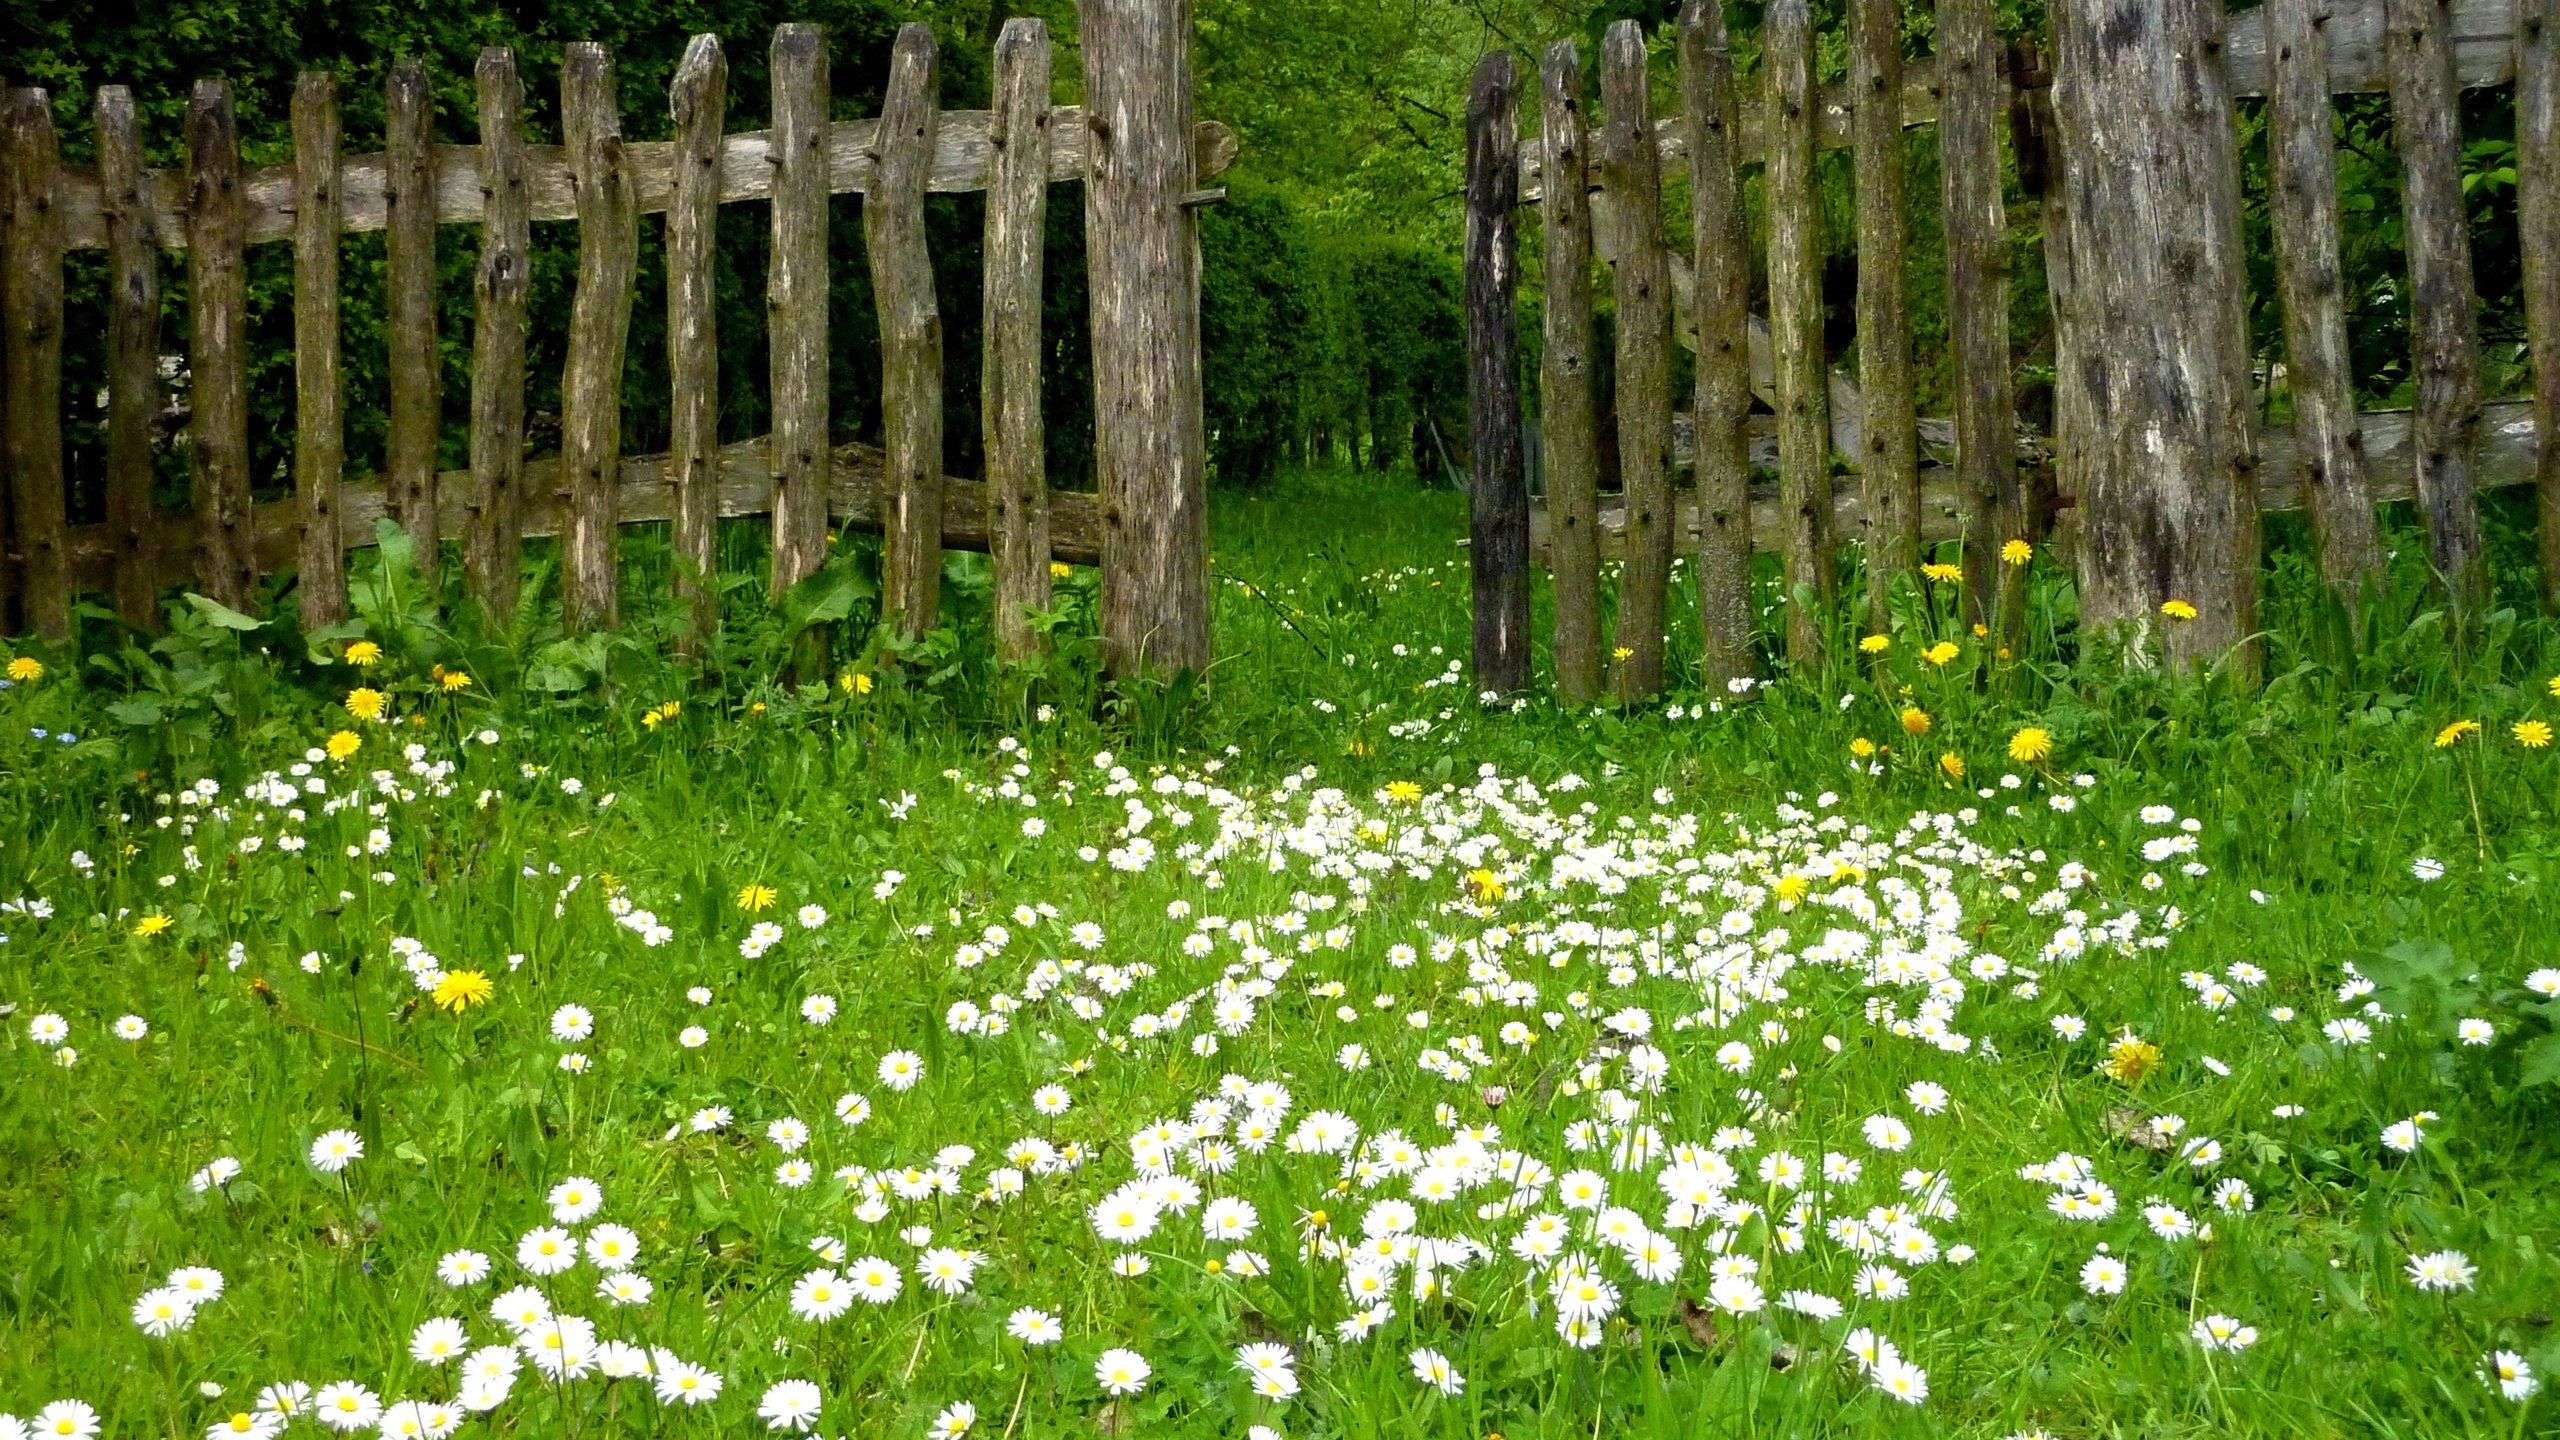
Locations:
(1497, 480)
(1975, 221)
(1017, 220)
(599, 326)
(2538, 215)
(1143, 258)
(2161, 440)
(961, 153)
(1795, 327)
(1568, 430)
(2480, 35)
(133, 355)
(217, 363)
(796, 302)
(492, 542)
(1888, 458)
(31, 356)
(1641, 282)
(319, 416)
(696, 98)
(2444, 325)
(1720, 323)
(409, 331)
(2302, 203)
(910, 335)
(1833, 108)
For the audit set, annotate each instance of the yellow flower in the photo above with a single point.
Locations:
(2554, 687)
(1485, 885)
(361, 653)
(2130, 1058)
(650, 717)
(1624, 653)
(2017, 552)
(1915, 721)
(343, 744)
(151, 924)
(755, 897)
(1403, 790)
(671, 709)
(25, 668)
(854, 682)
(2532, 734)
(459, 990)
(2452, 734)
(1060, 569)
(1944, 574)
(1862, 747)
(2030, 744)
(1792, 887)
(2177, 609)
(453, 680)
(1357, 747)
(1876, 644)
(1940, 653)
(1980, 630)
(1953, 764)
(365, 703)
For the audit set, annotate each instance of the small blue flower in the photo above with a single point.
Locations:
(67, 738)
(36, 730)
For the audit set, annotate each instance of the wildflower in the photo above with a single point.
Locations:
(1433, 1369)
(1484, 885)
(163, 1312)
(25, 668)
(2508, 1371)
(2177, 609)
(1953, 764)
(1903, 1381)
(1623, 652)
(854, 682)
(346, 1406)
(1060, 570)
(2452, 734)
(366, 703)
(1915, 721)
(954, 1421)
(2130, 1058)
(335, 1150)
(459, 990)
(1121, 1372)
(2030, 745)
(2427, 867)
(155, 923)
(2016, 552)
(2531, 734)
(1403, 791)
(1943, 573)
(753, 898)
(1034, 1327)
(901, 1069)
(453, 681)
(343, 743)
(1876, 644)
(2221, 1332)
(362, 653)
(790, 1405)
(820, 1296)
(575, 1199)
(2103, 1275)
(1862, 747)
(1941, 653)
(2442, 1270)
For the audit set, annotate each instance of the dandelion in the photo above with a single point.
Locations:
(2177, 609)
(2016, 552)
(459, 990)
(2130, 1058)
(366, 703)
(2031, 745)
(344, 743)
(752, 898)
(1943, 573)
(1952, 764)
(363, 653)
(2531, 734)
(25, 669)
(1403, 792)
(1484, 885)
(155, 923)
(2452, 734)
(1876, 644)
(1623, 652)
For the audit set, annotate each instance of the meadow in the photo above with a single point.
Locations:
(417, 1031)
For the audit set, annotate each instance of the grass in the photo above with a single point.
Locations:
(2233, 880)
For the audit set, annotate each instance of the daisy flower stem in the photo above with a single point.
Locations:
(1018, 1392)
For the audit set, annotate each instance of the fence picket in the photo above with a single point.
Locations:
(409, 242)
(1889, 457)
(2538, 217)
(319, 423)
(31, 296)
(1498, 531)
(1720, 313)
(1568, 428)
(2443, 303)
(910, 334)
(492, 541)
(796, 302)
(1795, 325)
(1975, 220)
(217, 362)
(696, 98)
(1631, 180)
(133, 356)
(599, 326)
(1017, 210)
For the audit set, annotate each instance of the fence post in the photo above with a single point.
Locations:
(1568, 427)
(218, 297)
(2538, 214)
(696, 98)
(1976, 223)
(1720, 310)
(493, 550)
(1017, 457)
(1144, 254)
(796, 305)
(2443, 302)
(1498, 488)
(1795, 328)
(1888, 429)
(2303, 204)
(409, 328)
(599, 324)
(31, 294)
(2160, 441)
(1631, 178)
(910, 334)
(133, 356)
(319, 426)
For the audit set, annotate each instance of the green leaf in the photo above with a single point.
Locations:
(142, 712)
(2540, 1062)
(221, 614)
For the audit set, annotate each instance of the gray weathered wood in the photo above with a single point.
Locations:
(1143, 258)
(1795, 327)
(133, 355)
(31, 357)
(910, 335)
(1888, 460)
(217, 363)
(1720, 317)
(1017, 220)
(696, 97)
(796, 302)
(2160, 439)
(409, 329)
(1974, 217)
(2538, 215)
(2444, 324)
(599, 326)
(1498, 485)
(1568, 428)
(319, 415)
(1642, 285)
(493, 547)
(2302, 204)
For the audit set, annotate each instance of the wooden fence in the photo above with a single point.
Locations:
(1133, 143)
(2161, 465)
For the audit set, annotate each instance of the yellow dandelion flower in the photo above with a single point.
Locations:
(1060, 570)
(752, 898)
(1624, 652)
(459, 990)
(2130, 1058)
(152, 924)
(2017, 552)
(25, 668)
(2452, 734)
(362, 653)
(1403, 790)
(2554, 687)
(1915, 721)
(1941, 653)
(861, 683)
(2031, 744)
(1792, 887)
(454, 681)
(1953, 764)
(1944, 574)
(2177, 609)
(2531, 734)
(343, 744)
(1485, 885)
(1862, 747)
(650, 718)
(366, 703)
(1876, 644)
